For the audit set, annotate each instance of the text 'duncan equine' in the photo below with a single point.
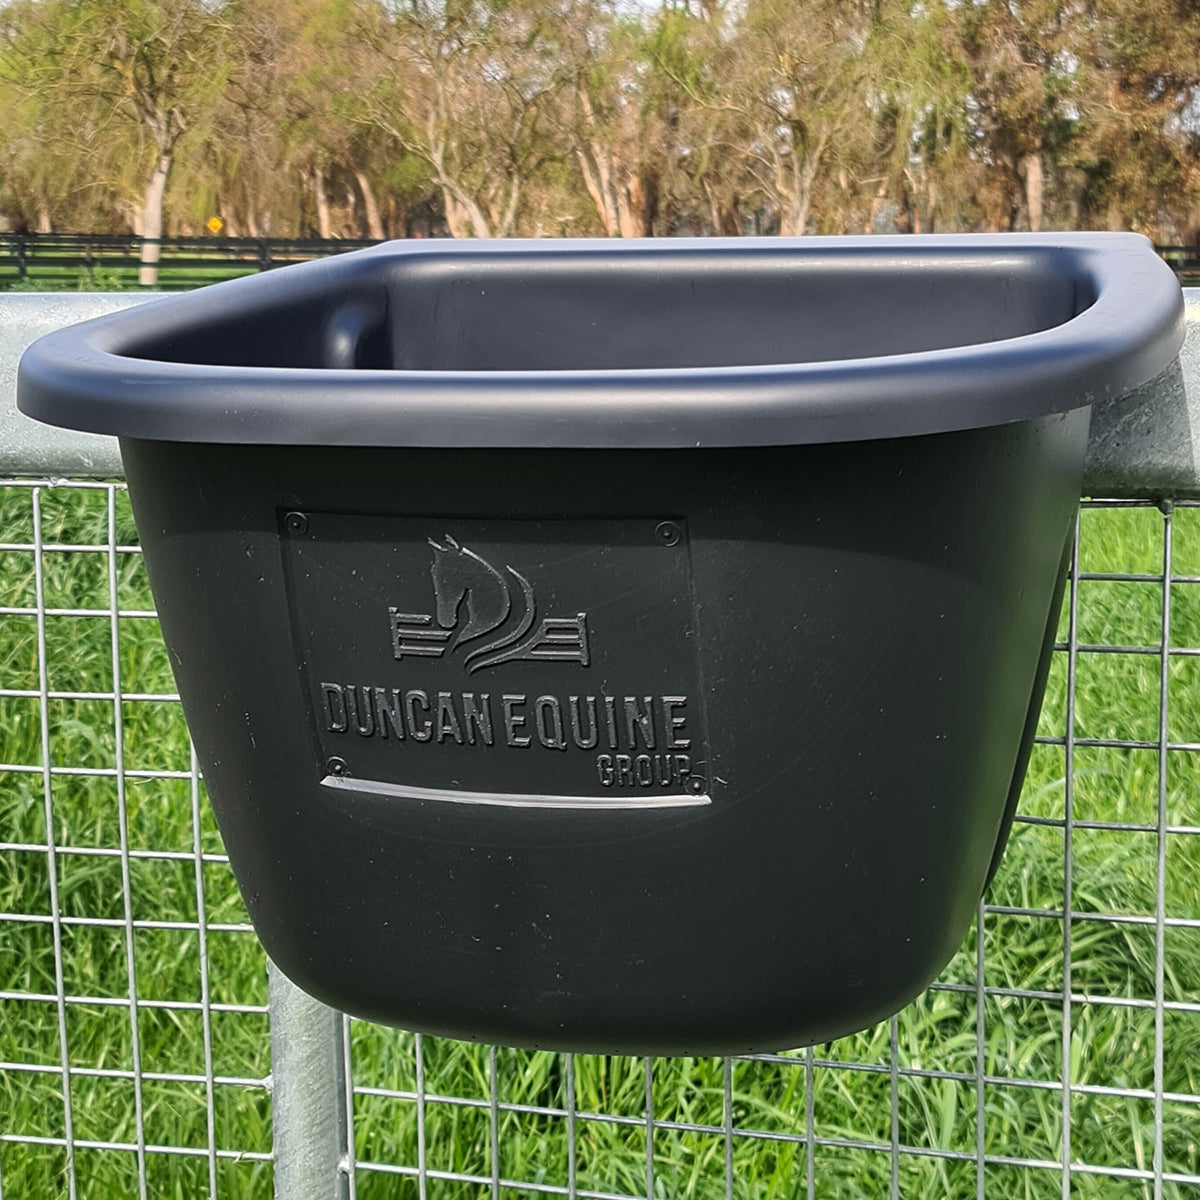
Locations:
(500, 662)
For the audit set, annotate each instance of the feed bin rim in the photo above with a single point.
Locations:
(89, 377)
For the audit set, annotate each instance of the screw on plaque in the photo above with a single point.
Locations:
(336, 766)
(696, 785)
(668, 533)
(295, 522)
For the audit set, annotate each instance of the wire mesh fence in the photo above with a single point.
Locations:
(134, 998)
(1058, 1055)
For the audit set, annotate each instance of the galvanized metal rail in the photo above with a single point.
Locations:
(1148, 445)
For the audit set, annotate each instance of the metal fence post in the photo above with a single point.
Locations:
(308, 1084)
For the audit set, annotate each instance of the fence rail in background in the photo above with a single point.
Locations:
(66, 259)
(110, 260)
(143, 1051)
(1183, 260)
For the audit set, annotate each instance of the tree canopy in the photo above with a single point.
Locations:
(374, 118)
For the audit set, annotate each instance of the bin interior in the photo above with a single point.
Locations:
(525, 311)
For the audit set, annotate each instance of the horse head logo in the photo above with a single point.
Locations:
(461, 577)
(475, 599)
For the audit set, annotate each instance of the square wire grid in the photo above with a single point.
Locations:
(1059, 1055)
(133, 1027)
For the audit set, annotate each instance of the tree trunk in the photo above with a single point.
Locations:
(509, 218)
(628, 218)
(464, 216)
(1034, 189)
(876, 208)
(253, 229)
(43, 217)
(595, 181)
(646, 199)
(152, 221)
(642, 202)
(631, 206)
(611, 201)
(1189, 228)
(793, 218)
(396, 223)
(324, 230)
(724, 218)
(456, 217)
(914, 212)
(374, 224)
(714, 209)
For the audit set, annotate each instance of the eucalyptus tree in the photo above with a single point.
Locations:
(244, 174)
(919, 156)
(797, 93)
(1025, 92)
(1139, 115)
(39, 176)
(62, 158)
(152, 69)
(348, 170)
(465, 87)
(604, 118)
(695, 106)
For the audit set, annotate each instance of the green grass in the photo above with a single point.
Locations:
(118, 278)
(179, 269)
(1117, 696)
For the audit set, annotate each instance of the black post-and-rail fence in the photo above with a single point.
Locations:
(112, 261)
(71, 261)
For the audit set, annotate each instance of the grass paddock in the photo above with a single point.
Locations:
(182, 903)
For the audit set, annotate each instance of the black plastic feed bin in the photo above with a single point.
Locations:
(623, 646)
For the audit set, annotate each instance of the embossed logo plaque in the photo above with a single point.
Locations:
(494, 661)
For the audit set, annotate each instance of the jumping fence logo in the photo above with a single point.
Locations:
(473, 600)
